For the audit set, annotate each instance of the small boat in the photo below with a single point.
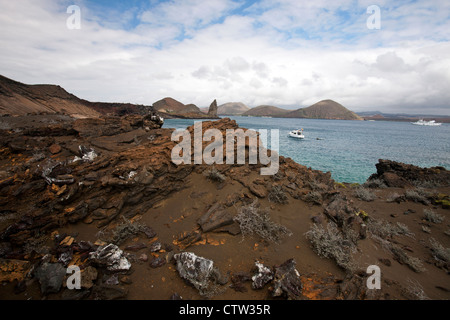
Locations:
(422, 122)
(297, 134)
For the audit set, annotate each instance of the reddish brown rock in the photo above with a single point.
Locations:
(54, 149)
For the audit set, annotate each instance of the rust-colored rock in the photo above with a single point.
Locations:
(11, 269)
(54, 149)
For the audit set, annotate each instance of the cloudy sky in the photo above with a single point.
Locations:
(288, 53)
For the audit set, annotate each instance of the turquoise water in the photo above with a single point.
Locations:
(350, 149)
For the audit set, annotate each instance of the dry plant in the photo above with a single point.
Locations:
(432, 216)
(382, 232)
(395, 197)
(413, 263)
(277, 195)
(253, 220)
(214, 175)
(122, 232)
(416, 195)
(384, 229)
(330, 243)
(375, 184)
(414, 291)
(439, 252)
(314, 197)
(364, 194)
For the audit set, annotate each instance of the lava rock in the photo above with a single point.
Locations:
(287, 281)
(157, 262)
(111, 257)
(50, 276)
(195, 269)
(262, 277)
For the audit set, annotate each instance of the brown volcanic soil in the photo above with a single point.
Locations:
(96, 196)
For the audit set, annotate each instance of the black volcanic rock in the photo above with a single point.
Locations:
(397, 174)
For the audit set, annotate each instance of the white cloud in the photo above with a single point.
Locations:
(390, 62)
(285, 53)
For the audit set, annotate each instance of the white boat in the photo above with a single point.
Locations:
(297, 134)
(422, 122)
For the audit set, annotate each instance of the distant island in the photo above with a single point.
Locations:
(265, 111)
(325, 109)
(232, 109)
(171, 108)
(381, 116)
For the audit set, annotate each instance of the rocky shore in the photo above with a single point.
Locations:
(103, 195)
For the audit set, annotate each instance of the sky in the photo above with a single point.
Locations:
(388, 56)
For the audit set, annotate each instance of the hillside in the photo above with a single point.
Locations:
(265, 111)
(171, 108)
(20, 99)
(232, 109)
(119, 108)
(325, 109)
(170, 105)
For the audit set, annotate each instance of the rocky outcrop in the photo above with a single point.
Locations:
(397, 174)
(171, 108)
(113, 125)
(212, 112)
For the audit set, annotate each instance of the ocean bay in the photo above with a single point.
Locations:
(350, 149)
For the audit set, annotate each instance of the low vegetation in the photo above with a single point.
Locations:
(401, 256)
(122, 232)
(375, 184)
(317, 186)
(364, 194)
(383, 232)
(277, 195)
(387, 230)
(414, 291)
(432, 216)
(395, 197)
(254, 220)
(416, 195)
(329, 242)
(439, 252)
(214, 175)
(314, 197)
